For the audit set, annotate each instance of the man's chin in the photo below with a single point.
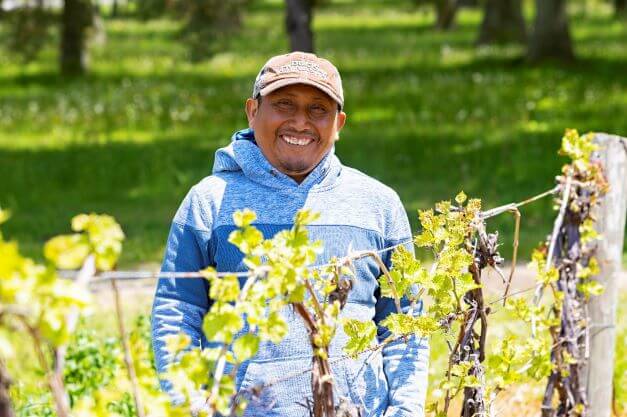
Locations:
(296, 169)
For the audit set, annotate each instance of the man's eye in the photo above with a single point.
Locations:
(284, 104)
(318, 110)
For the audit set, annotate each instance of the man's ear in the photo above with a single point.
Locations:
(341, 120)
(252, 106)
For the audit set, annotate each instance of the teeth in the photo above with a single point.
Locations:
(296, 141)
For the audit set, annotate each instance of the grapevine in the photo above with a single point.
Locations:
(568, 265)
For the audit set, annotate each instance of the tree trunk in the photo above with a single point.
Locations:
(503, 22)
(445, 13)
(114, 8)
(620, 8)
(5, 401)
(468, 3)
(298, 23)
(77, 17)
(551, 36)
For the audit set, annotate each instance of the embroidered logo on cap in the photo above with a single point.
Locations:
(304, 66)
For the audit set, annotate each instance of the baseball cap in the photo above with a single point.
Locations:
(299, 68)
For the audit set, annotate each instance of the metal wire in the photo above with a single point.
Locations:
(136, 275)
(145, 275)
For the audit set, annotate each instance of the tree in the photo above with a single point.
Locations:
(150, 9)
(27, 29)
(209, 23)
(620, 8)
(76, 19)
(298, 18)
(551, 35)
(446, 10)
(503, 22)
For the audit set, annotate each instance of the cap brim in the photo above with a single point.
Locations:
(295, 80)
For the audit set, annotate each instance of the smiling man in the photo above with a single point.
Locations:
(285, 162)
(295, 127)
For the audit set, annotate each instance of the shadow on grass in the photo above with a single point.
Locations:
(142, 184)
(605, 70)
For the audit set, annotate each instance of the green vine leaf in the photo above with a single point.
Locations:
(245, 347)
(360, 335)
(67, 251)
(222, 323)
(225, 289)
(244, 218)
(402, 324)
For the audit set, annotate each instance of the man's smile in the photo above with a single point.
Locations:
(295, 140)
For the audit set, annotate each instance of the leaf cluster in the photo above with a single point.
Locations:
(247, 312)
(34, 297)
(36, 301)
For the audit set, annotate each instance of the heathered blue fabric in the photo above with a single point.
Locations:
(357, 213)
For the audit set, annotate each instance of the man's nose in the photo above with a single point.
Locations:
(301, 120)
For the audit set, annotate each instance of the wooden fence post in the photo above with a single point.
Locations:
(611, 225)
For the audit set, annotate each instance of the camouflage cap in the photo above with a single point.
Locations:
(299, 68)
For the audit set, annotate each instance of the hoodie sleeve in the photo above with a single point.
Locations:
(180, 304)
(405, 361)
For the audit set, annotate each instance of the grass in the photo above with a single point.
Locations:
(429, 114)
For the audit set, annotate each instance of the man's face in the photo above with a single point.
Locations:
(295, 126)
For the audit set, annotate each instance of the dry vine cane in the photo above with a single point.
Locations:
(470, 348)
(571, 253)
(317, 323)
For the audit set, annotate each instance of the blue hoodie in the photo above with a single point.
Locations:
(357, 213)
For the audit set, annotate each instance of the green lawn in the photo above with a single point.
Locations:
(429, 114)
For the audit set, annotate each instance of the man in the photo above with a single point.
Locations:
(285, 162)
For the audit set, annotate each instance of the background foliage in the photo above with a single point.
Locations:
(429, 113)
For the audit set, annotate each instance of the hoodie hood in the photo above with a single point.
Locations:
(243, 154)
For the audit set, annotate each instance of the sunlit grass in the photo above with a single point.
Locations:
(429, 114)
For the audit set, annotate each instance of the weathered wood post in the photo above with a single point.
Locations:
(611, 225)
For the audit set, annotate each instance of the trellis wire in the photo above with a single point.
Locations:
(504, 208)
(145, 275)
(130, 275)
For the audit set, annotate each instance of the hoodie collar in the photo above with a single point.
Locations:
(243, 154)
